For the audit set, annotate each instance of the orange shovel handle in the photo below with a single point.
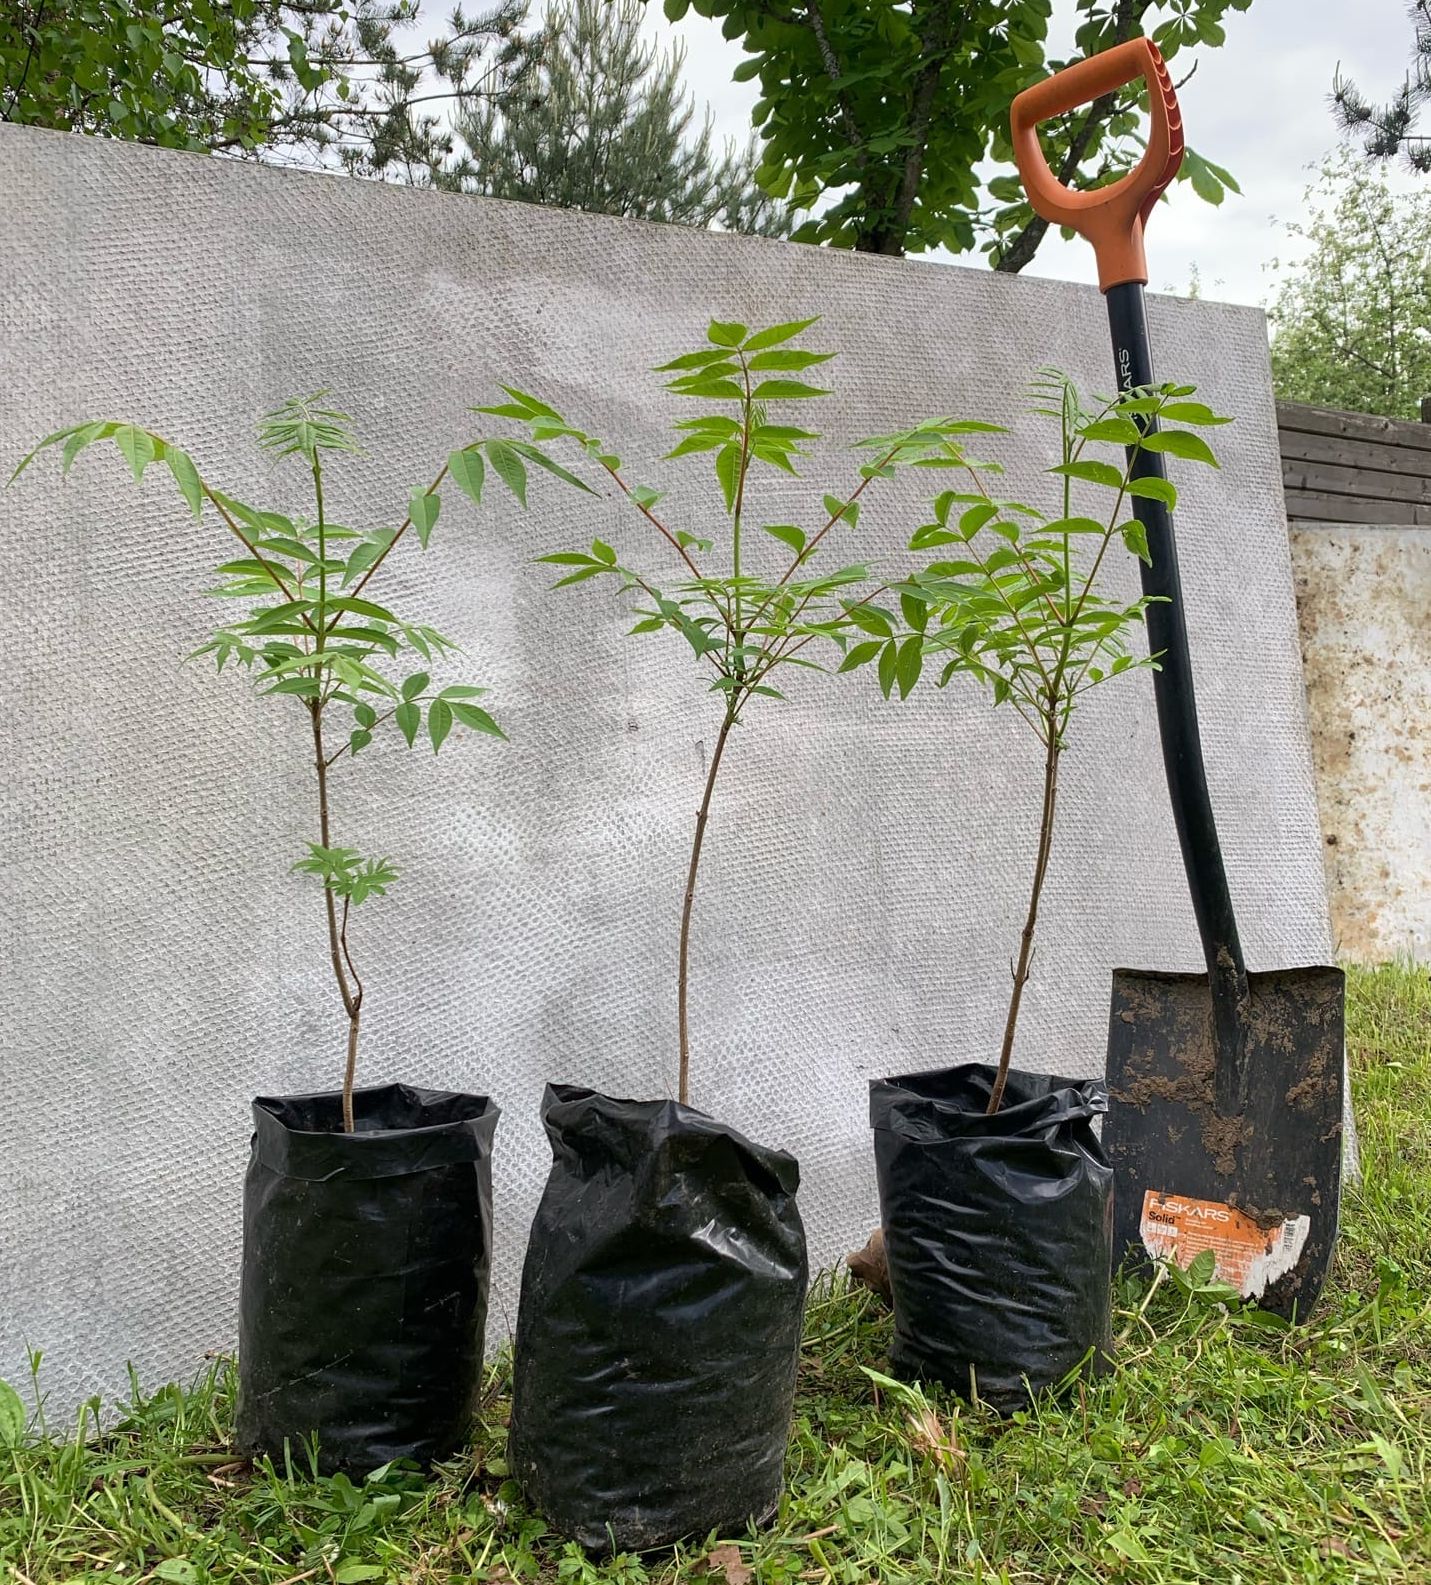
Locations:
(1111, 218)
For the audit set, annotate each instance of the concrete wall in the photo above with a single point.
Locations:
(866, 864)
(1364, 604)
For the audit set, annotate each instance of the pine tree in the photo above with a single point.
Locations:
(1390, 129)
(606, 125)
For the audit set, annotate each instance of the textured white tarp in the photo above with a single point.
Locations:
(866, 864)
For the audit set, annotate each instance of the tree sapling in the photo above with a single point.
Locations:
(742, 622)
(314, 634)
(1020, 608)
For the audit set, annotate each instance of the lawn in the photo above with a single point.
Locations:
(1225, 1447)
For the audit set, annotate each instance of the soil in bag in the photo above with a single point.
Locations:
(998, 1230)
(659, 1325)
(365, 1267)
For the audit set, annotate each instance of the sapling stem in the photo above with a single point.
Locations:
(1057, 701)
(352, 996)
(337, 936)
(683, 1086)
(350, 1068)
(737, 632)
(1052, 750)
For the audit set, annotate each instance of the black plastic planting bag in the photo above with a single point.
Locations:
(998, 1230)
(365, 1265)
(659, 1325)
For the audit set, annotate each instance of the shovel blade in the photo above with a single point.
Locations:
(1262, 1189)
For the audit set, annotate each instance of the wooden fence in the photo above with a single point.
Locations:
(1352, 468)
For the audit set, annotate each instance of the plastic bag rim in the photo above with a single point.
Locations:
(775, 1159)
(1089, 1098)
(485, 1111)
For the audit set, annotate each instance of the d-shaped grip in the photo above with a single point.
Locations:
(1111, 218)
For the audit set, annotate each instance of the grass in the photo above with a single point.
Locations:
(1223, 1449)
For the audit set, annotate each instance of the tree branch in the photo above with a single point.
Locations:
(834, 72)
(1022, 249)
(938, 41)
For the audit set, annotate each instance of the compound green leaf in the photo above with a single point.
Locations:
(728, 464)
(186, 476)
(137, 446)
(439, 722)
(786, 390)
(725, 333)
(471, 715)
(509, 468)
(1155, 489)
(1181, 443)
(82, 437)
(422, 511)
(773, 336)
(1192, 413)
(1118, 431)
(1091, 472)
(861, 654)
(787, 534)
(909, 664)
(468, 473)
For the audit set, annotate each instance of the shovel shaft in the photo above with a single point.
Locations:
(1178, 726)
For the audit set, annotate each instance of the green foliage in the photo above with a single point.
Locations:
(1390, 129)
(742, 622)
(325, 80)
(13, 1419)
(1352, 319)
(347, 874)
(900, 110)
(606, 125)
(1015, 597)
(1220, 1450)
(309, 630)
(750, 607)
(1019, 606)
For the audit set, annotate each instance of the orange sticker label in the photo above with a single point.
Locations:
(1246, 1255)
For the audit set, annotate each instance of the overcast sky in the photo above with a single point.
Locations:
(1257, 106)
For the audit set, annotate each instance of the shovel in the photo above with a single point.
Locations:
(1225, 1130)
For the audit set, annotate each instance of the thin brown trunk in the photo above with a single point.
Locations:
(939, 38)
(337, 937)
(683, 1089)
(350, 1070)
(835, 71)
(886, 239)
(1026, 941)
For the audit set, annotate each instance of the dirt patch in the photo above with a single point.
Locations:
(1161, 1014)
(1170, 1056)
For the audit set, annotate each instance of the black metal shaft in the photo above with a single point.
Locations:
(1178, 728)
